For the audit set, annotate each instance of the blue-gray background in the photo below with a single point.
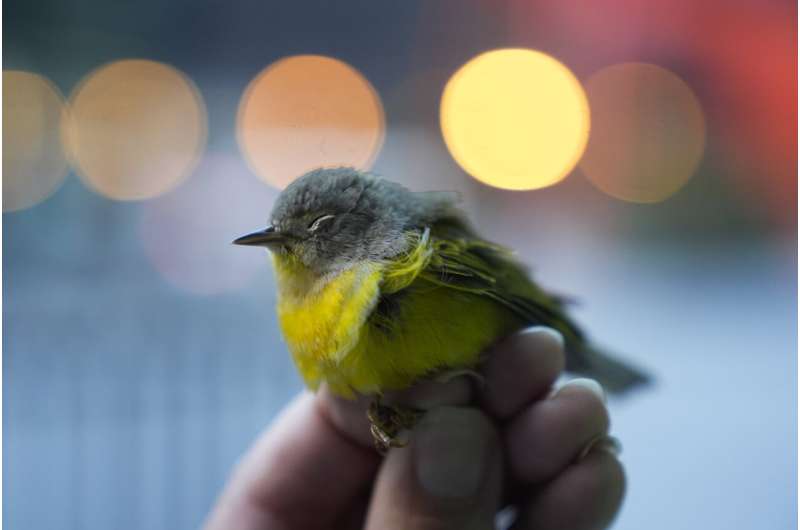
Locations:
(127, 399)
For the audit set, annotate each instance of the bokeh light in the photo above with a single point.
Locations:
(34, 164)
(648, 132)
(136, 129)
(515, 119)
(750, 67)
(187, 233)
(305, 112)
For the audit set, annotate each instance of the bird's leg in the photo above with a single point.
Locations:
(387, 423)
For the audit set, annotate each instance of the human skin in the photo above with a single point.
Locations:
(524, 445)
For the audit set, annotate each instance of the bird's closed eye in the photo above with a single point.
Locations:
(318, 222)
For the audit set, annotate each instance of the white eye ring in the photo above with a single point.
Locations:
(318, 221)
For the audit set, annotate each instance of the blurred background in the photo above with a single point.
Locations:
(641, 156)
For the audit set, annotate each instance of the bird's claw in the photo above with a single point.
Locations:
(388, 423)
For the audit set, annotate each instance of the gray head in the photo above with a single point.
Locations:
(334, 217)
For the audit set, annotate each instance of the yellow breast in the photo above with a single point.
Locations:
(322, 317)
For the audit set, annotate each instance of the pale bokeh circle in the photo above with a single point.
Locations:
(305, 112)
(648, 132)
(137, 128)
(186, 234)
(515, 119)
(34, 163)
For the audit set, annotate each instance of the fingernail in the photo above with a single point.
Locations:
(451, 446)
(589, 384)
(609, 444)
(544, 330)
(605, 443)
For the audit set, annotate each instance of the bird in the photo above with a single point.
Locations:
(380, 287)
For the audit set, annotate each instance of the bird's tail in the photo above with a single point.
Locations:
(615, 376)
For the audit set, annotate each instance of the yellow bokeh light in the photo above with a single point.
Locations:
(136, 129)
(34, 164)
(308, 111)
(515, 119)
(648, 132)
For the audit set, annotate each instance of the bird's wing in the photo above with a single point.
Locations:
(450, 255)
(467, 263)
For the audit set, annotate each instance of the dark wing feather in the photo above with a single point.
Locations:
(462, 261)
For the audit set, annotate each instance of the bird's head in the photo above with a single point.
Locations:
(330, 219)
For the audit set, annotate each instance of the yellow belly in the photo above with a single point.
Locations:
(335, 336)
(321, 318)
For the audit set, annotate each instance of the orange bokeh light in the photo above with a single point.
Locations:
(34, 164)
(308, 111)
(136, 129)
(648, 132)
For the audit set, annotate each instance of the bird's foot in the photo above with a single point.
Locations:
(388, 424)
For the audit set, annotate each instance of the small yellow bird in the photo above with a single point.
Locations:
(380, 287)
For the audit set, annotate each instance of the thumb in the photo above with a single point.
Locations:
(449, 476)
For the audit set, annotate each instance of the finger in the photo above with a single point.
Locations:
(446, 389)
(550, 434)
(350, 415)
(448, 477)
(522, 369)
(587, 495)
(278, 483)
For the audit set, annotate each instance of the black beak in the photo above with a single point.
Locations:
(265, 238)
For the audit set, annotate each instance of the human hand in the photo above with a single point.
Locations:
(524, 446)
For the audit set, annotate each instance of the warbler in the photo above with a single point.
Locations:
(380, 287)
